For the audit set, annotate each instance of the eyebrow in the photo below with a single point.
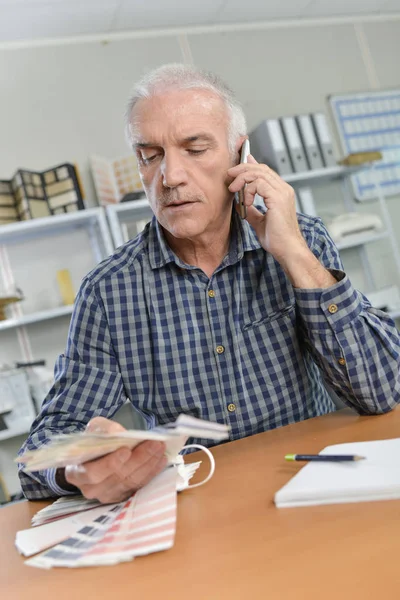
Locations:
(192, 138)
(200, 137)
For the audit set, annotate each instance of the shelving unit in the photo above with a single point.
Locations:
(303, 183)
(121, 215)
(88, 228)
(92, 220)
(361, 239)
(37, 317)
(317, 176)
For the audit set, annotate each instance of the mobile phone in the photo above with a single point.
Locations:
(245, 151)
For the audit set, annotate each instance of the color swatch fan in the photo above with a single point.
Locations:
(143, 524)
(115, 179)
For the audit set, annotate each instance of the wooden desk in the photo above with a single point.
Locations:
(233, 543)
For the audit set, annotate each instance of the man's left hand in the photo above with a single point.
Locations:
(278, 230)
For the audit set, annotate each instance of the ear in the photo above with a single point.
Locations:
(239, 144)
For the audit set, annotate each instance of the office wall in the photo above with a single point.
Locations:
(65, 102)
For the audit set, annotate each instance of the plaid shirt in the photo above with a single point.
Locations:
(243, 347)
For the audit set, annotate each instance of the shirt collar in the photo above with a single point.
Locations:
(243, 239)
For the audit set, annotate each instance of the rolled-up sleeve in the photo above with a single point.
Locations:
(87, 383)
(356, 347)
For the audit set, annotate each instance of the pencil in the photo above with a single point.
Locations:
(324, 457)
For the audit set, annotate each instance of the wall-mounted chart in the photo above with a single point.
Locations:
(370, 121)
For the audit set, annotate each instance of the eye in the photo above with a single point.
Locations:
(148, 159)
(192, 151)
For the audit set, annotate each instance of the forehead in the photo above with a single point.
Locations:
(178, 113)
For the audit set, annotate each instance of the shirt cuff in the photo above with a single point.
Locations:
(53, 485)
(337, 305)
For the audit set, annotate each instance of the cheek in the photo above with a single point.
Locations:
(215, 173)
(149, 178)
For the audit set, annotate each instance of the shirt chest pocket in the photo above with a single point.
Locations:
(279, 316)
(273, 348)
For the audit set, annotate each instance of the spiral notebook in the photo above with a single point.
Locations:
(375, 478)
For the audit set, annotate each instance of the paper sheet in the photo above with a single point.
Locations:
(375, 478)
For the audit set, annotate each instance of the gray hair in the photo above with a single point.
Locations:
(180, 76)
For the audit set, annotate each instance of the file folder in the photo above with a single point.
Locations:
(310, 143)
(306, 200)
(294, 145)
(324, 139)
(268, 146)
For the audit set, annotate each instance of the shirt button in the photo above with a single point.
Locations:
(232, 407)
(211, 294)
(341, 361)
(332, 308)
(220, 349)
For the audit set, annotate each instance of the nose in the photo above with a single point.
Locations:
(173, 170)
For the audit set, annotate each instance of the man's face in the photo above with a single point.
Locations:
(181, 142)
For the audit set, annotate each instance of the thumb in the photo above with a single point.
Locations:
(254, 217)
(103, 425)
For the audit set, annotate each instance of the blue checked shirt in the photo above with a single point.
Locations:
(243, 347)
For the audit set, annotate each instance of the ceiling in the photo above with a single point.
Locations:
(25, 20)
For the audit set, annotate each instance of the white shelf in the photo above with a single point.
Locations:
(360, 239)
(315, 176)
(7, 434)
(90, 217)
(37, 317)
(122, 212)
(130, 207)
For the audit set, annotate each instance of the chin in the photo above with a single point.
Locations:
(183, 230)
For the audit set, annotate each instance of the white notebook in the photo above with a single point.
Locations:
(375, 478)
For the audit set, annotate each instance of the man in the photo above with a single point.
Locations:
(203, 313)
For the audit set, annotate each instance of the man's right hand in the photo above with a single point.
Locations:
(116, 476)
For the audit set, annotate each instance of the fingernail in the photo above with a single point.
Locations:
(94, 428)
(77, 469)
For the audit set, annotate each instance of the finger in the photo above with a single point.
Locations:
(116, 488)
(107, 492)
(143, 472)
(254, 217)
(255, 166)
(248, 177)
(250, 192)
(142, 476)
(271, 172)
(96, 471)
(243, 167)
(103, 425)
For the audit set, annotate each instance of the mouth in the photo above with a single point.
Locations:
(178, 205)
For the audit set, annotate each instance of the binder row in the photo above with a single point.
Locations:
(293, 144)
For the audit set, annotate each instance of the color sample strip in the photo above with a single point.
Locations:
(62, 507)
(37, 539)
(145, 523)
(68, 551)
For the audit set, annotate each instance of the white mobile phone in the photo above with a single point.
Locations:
(245, 151)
